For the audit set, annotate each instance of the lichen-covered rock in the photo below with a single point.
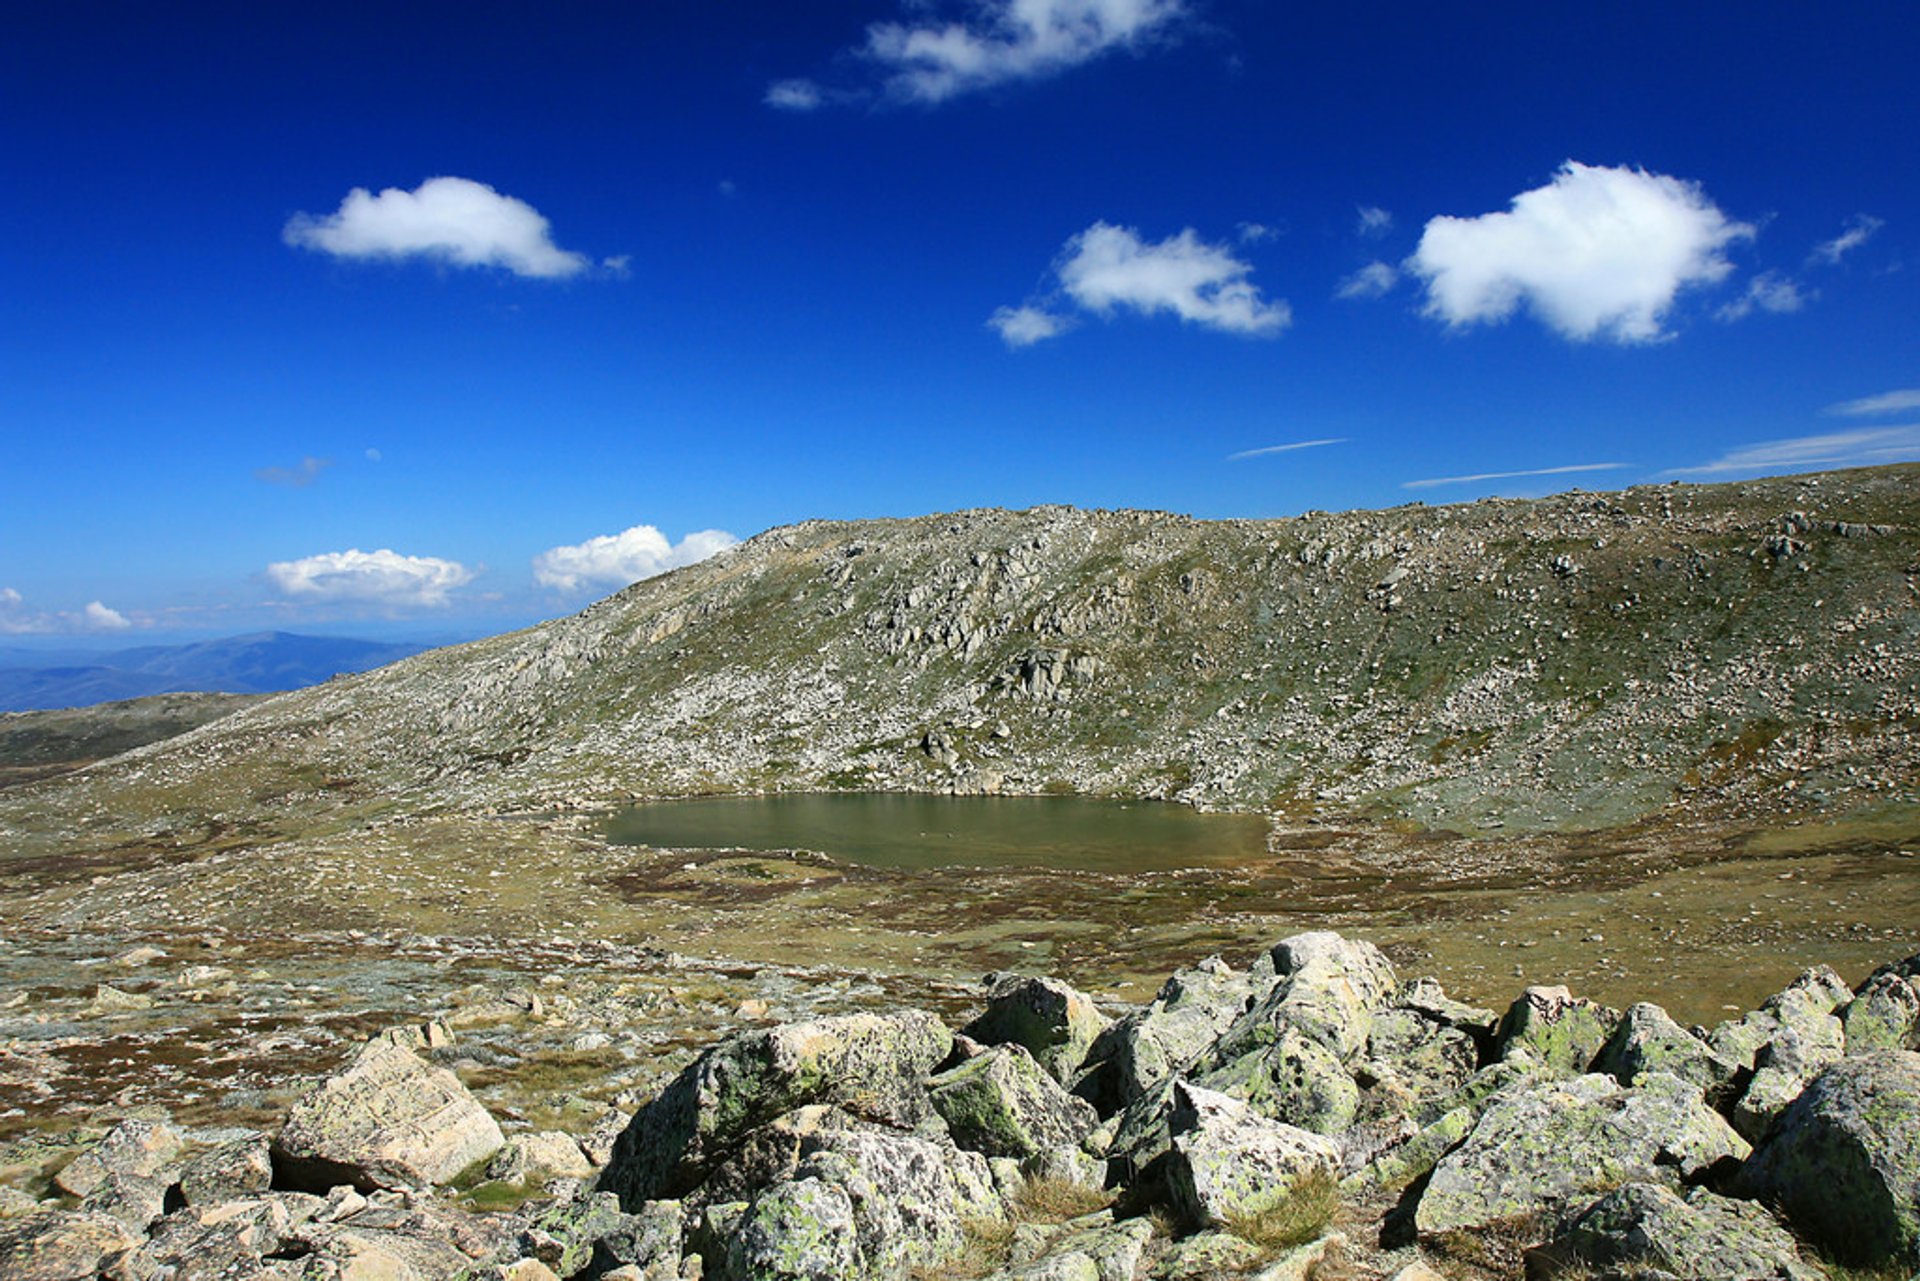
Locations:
(1148, 1046)
(1094, 1248)
(1325, 988)
(1644, 1229)
(1426, 997)
(60, 1245)
(1402, 1165)
(1294, 1079)
(1228, 1162)
(1540, 1147)
(135, 1147)
(912, 1200)
(229, 1172)
(1056, 1024)
(389, 1119)
(551, 1154)
(1561, 1032)
(1205, 1256)
(1843, 1163)
(874, 1064)
(1001, 1103)
(133, 1200)
(1648, 1041)
(1883, 1015)
(798, 1231)
(1418, 1061)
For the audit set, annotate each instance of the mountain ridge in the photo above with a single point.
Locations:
(1581, 660)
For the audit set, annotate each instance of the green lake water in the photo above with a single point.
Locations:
(893, 830)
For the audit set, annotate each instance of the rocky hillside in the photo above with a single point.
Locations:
(1579, 660)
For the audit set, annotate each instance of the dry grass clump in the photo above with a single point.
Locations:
(1057, 1200)
(1309, 1206)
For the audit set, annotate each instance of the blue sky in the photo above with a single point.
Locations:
(708, 268)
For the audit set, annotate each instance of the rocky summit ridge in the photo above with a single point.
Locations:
(1584, 660)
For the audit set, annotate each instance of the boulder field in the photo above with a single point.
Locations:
(1310, 1114)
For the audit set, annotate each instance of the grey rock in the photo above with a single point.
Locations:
(912, 1200)
(1056, 1024)
(135, 1147)
(527, 1158)
(132, 1199)
(1648, 1041)
(1543, 1147)
(798, 1231)
(1425, 996)
(1205, 1256)
(232, 1171)
(1001, 1103)
(389, 1119)
(1149, 1046)
(1561, 1032)
(1294, 1079)
(1843, 1163)
(875, 1064)
(1325, 988)
(1883, 1015)
(1646, 1228)
(1415, 1064)
(60, 1245)
(1228, 1162)
(1095, 1248)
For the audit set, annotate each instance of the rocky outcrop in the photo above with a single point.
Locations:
(872, 1064)
(388, 1120)
(1844, 1161)
(1539, 1149)
(1646, 1229)
(1055, 1024)
(1001, 1103)
(1228, 1164)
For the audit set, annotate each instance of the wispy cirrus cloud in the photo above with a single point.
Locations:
(616, 560)
(794, 95)
(1596, 253)
(383, 577)
(1436, 482)
(1106, 269)
(1288, 448)
(1859, 230)
(17, 620)
(1887, 402)
(1769, 292)
(1372, 222)
(925, 60)
(455, 221)
(297, 477)
(1864, 447)
(1375, 280)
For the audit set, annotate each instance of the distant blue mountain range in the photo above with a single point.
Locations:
(262, 663)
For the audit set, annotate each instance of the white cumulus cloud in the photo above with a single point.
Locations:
(627, 557)
(1887, 402)
(1375, 280)
(1107, 268)
(381, 577)
(1025, 326)
(17, 620)
(1865, 447)
(451, 220)
(104, 618)
(1860, 229)
(1769, 291)
(1597, 252)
